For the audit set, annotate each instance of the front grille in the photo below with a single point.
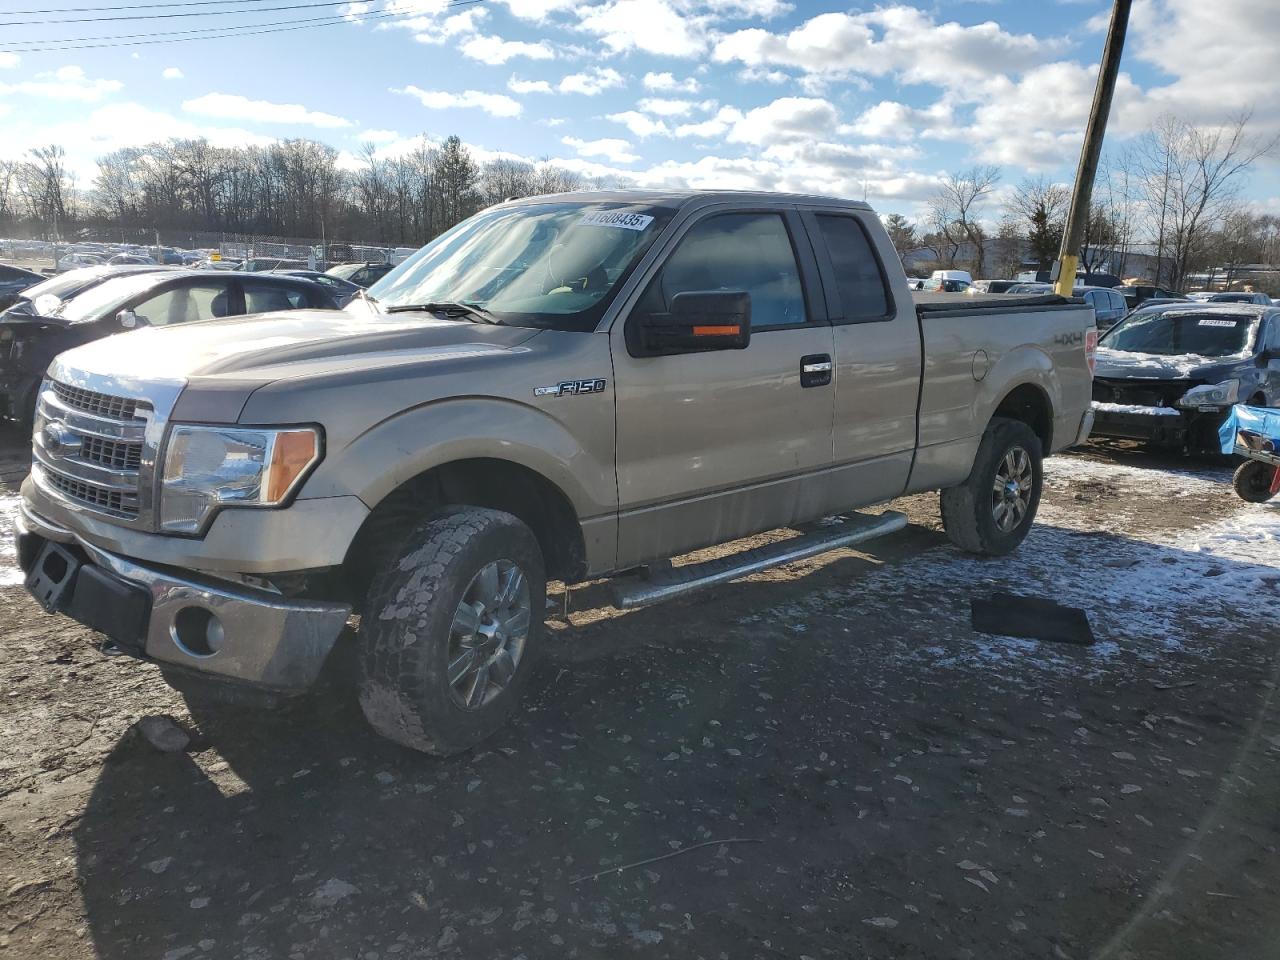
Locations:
(113, 501)
(1142, 393)
(111, 453)
(98, 404)
(85, 459)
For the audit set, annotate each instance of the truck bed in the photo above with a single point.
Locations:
(928, 302)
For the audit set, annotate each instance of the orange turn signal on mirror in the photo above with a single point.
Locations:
(717, 331)
(292, 453)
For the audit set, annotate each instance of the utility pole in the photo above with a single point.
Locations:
(1082, 194)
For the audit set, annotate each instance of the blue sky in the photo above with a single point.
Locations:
(791, 95)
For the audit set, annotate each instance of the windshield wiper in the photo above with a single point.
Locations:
(450, 308)
(363, 294)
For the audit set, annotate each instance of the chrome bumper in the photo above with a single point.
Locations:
(222, 629)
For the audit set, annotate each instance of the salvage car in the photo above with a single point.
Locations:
(50, 291)
(342, 290)
(30, 339)
(563, 387)
(361, 274)
(1241, 296)
(1109, 307)
(1169, 375)
(14, 280)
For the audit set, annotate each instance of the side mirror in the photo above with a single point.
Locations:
(127, 319)
(1269, 355)
(698, 321)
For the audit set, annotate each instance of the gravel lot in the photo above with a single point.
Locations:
(893, 784)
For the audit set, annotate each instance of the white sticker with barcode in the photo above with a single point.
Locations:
(615, 218)
(1215, 322)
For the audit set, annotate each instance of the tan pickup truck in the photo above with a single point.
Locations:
(566, 387)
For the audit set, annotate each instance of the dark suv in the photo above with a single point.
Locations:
(361, 274)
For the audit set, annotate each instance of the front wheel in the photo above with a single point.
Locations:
(1253, 481)
(992, 511)
(450, 630)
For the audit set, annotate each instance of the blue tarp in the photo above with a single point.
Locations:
(1263, 421)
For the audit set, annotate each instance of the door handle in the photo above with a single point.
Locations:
(815, 370)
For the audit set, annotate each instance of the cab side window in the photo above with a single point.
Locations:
(262, 297)
(735, 251)
(184, 304)
(859, 279)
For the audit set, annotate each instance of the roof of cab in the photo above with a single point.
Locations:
(681, 198)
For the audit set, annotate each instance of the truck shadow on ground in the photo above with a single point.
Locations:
(870, 746)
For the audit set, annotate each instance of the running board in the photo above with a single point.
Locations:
(641, 592)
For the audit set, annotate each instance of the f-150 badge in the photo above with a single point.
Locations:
(570, 388)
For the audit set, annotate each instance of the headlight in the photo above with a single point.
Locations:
(210, 467)
(1210, 396)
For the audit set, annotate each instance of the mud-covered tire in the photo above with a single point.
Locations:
(410, 622)
(969, 511)
(1252, 481)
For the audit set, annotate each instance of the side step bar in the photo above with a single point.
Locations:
(631, 593)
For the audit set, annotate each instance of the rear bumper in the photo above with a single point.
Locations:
(200, 624)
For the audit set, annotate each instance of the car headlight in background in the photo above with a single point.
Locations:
(210, 467)
(1210, 396)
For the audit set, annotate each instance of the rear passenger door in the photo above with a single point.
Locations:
(877, 358)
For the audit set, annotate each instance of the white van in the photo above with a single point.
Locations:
(949, 281)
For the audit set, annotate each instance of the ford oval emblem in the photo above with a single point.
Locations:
(59, 441)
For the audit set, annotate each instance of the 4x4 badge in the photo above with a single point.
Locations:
(570, 388)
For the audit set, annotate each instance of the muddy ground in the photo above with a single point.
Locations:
(824, 760)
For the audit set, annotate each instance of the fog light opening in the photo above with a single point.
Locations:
(197, 632)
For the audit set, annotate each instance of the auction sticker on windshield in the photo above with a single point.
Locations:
(1212, 322)
(608, 218)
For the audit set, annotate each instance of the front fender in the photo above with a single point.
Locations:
(462, 428)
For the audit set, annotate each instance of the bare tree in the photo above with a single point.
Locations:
(43, 185)
(955, 211)
(1040, 208)
(1193, 177)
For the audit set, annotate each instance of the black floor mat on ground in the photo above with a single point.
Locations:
(1007, 615)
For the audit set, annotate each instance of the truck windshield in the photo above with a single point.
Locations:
(556, 265)
(1202, 333)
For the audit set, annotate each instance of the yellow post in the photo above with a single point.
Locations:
(1067, 275)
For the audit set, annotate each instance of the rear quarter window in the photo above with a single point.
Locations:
(860, 283)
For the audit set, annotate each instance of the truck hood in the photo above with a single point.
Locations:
(270, 346)
(1122, 365)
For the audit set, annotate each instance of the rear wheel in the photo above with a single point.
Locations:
(1253, 480)
(450, 630)
(992, 511)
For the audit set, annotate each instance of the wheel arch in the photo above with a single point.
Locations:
(1029, 403)
(489, 482)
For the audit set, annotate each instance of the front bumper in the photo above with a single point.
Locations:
(1191, 430)
(177, 618)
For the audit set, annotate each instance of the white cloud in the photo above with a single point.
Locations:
(652, 26)
(788, 118)
(898, 121)
(537, 10)
(497, 50)
(901, 40)
(231, 106)
(592, 81)
(65, 83)
(379, 136)
(495, 104)
(114, 126)
(615, 151)
(516, 85)
(668, 107)
(8, 61)
(641, 125)
(427, 23)
(171, 73)
(667, 83)
(717, 126)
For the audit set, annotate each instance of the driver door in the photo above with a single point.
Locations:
(716, 445)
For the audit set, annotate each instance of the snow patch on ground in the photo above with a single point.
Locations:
(1145, 595)
(10, 574)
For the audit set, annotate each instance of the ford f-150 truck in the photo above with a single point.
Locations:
(567, 387)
